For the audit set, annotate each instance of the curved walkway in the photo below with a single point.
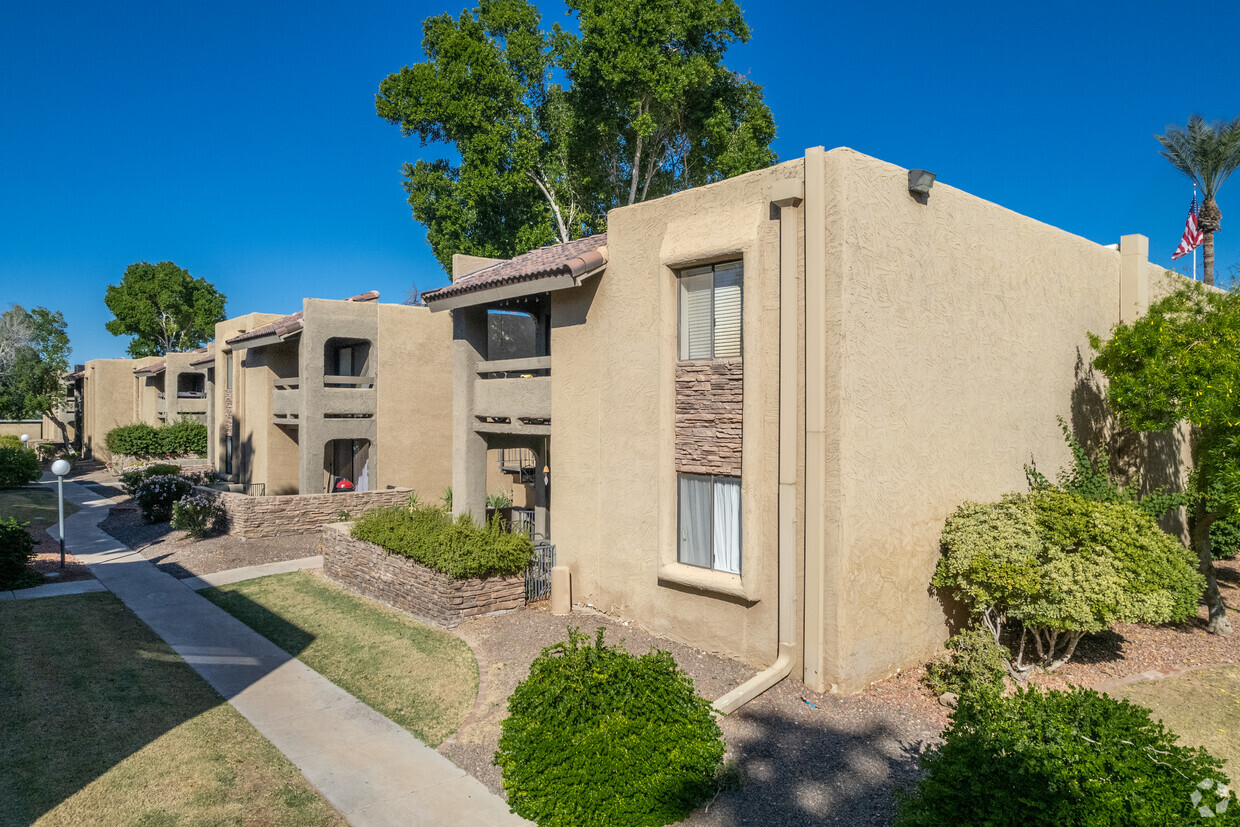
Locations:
(372, 770)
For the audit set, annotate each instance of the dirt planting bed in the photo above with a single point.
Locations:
(181, 556)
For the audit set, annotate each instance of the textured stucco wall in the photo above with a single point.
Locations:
(613, 481)
(414, 407)
(959, 337)
(233, 414)
(109, 400)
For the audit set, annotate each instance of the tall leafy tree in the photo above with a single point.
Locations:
(1206, 153)
(1178, 363)
(164, 309)
(649, 109)
(655, 110)
(32, 384)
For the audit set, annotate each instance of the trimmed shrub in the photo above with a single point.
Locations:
(1064, 566)
(974, 663)
(16, 551)
(1225, 538)
(185, 436)
(458, 548)
(137, 440)
(1064, 758)
(197, 514)
(10, 441)
(18, 466)
(598, 737)
(157, 494)
(134, 476)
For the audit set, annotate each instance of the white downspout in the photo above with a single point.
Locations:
(788, 197)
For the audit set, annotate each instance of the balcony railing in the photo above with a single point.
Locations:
(360, 382)
(513, 394)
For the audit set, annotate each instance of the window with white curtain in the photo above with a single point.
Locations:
(710, 311)
(710, 522)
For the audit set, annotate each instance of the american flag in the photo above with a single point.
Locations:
(1192, 237)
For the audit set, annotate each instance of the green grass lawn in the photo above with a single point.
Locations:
(36, 506)
(1202, 707)
(104, 724)
(422, 678)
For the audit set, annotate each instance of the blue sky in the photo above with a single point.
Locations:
(240, 141)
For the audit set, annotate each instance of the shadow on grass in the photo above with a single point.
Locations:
(86, 685)
(807, 772)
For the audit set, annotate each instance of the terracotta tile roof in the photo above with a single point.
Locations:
(283, 326)
(207, 358)
(152, 369)
(570, 259)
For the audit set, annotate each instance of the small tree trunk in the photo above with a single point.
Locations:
(1218, 624)
(64, 432)
(1073, 639)
(1207, 257)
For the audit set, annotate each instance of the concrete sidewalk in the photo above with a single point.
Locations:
(373, 771)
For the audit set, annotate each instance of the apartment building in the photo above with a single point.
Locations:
(752, 405)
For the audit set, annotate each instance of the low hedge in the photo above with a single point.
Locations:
(596, 737)
(184, 436)
(458, 548)
(18, 466)
(131, 479)
(1064, 758)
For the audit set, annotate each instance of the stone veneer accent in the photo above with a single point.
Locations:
(403, 584)
(297, 513)
(708, 417)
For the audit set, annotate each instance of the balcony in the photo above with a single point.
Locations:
(286, 401)
(192, 402)
(513, 396)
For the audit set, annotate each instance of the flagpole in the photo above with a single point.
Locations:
(1194, 249)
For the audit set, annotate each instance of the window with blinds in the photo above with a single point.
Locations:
(710, 311)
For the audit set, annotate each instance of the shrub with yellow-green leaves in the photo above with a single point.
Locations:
(1062, 567)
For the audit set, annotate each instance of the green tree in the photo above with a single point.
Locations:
(1207, 154)
(33, 382)
(654, 108)
(1178, 363)
(164, 309)
(540, 162)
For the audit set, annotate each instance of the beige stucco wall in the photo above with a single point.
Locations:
(110, 398)
(32, 428)
(414, 398)
(955, 335)
(959, 335)
(613, 480)
(249, 434)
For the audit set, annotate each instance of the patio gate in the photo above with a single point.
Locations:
(538, 575)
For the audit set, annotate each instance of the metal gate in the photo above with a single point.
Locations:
(538, 575)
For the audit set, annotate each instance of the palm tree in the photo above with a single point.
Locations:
(1206, 154)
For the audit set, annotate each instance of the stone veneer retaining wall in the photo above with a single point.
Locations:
(708, 417)
(298, 513)
(403, 584)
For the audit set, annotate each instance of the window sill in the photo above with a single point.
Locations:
(707, 580)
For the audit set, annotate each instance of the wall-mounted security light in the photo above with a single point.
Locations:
(920, 181)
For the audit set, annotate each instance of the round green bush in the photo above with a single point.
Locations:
(18, 466)
(1064, 759)
(1065, 566)
(596, 737)
(156, 495)
(16, 549)
(974, 663)
(185, 436)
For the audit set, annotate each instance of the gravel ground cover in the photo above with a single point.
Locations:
(181, 556)
(47, 561)
(832, 763)
(797, 757)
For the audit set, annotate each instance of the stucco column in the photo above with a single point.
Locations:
(469, 448)
(1134, 277)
